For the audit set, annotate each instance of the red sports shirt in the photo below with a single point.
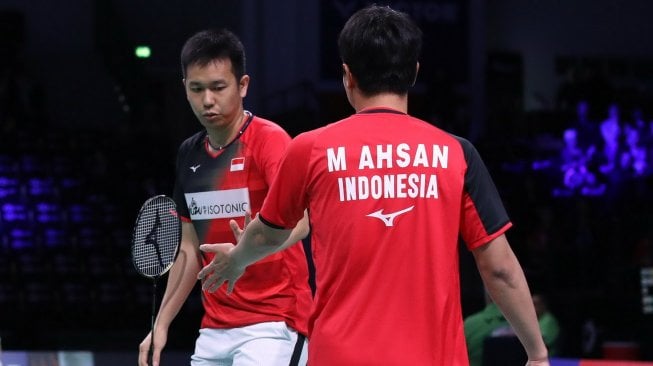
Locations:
(212, 188)
(388, 197)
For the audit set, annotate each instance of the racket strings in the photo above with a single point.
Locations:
(156, 237)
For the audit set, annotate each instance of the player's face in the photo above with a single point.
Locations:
(214, 94)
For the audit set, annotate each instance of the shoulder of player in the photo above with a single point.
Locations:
(467, 147)
(195, 140)
(265, 129)
(266, 124)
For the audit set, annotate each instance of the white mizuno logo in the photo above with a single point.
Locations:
(194, 168)
(389, 218)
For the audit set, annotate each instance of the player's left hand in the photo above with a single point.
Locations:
(221, 269)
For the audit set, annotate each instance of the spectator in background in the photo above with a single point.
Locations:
(634, 160)
(479, 326)
(638, 141)
(489, 322)
(638, 122)
(577, 177)
(586, 129)
(610, 128)
(571, 154)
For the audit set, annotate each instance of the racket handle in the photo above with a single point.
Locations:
(151, 350)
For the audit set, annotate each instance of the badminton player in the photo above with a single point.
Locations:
(223, 174)
(389, 196)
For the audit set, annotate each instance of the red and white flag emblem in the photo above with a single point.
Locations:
(237, 164)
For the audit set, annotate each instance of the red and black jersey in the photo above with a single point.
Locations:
(212, 188)
(389, 196)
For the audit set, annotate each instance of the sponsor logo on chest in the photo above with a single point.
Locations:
(222, 204)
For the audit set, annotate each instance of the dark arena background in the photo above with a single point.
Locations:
(556, 95)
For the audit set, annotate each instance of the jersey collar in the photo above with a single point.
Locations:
(379, 110)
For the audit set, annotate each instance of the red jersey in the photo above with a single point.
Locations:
(388, 196)
(211, 189)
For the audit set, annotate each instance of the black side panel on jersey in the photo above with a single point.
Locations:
(482, 190)
(185, 149)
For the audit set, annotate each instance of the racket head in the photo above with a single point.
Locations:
(156, 237)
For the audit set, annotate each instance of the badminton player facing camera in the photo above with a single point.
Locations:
(223, 174)
(389, 196)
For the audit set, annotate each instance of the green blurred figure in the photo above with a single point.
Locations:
(489, 322)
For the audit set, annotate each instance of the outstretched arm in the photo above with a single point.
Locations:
(300, 231)
(505, 281)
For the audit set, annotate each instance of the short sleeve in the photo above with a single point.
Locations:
(483, 216)
(288, 196)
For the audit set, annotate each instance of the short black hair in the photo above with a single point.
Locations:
(213, 44)
(381, 47)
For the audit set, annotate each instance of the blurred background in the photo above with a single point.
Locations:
(556, 95)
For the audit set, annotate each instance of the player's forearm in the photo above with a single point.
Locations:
(508, 288)
(505, 281)
(258, 241)
(300, 231)
(181, 280)
(515, 304)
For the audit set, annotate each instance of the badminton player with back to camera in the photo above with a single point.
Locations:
(223, 173)
(389, 196)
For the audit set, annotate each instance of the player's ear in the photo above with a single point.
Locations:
(243, 84)
(416, 72)
(348, 80)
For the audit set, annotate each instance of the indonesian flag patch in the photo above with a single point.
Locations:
(237, 164)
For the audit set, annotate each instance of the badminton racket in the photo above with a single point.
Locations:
(155, 244)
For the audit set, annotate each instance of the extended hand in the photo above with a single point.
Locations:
(238, 232)
(221, 269)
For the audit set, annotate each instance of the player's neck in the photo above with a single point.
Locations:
(387, 100)
(219, 137)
